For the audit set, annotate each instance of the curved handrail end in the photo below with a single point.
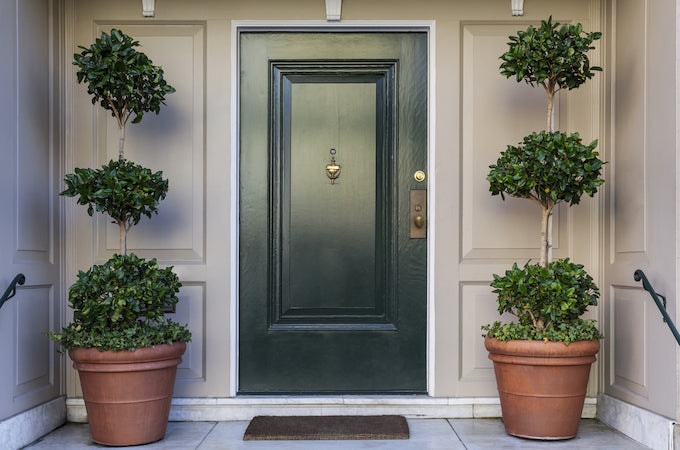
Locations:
(12, 288)
(640, 275)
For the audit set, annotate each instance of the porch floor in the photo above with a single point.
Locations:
(450, 434)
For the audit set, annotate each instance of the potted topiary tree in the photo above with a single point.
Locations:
(124, 348)
(542, 360)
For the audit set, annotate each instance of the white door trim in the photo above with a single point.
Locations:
(237, 26)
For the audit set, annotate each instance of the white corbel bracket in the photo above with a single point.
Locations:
(148, 8)
(333, 10)
(517, 7)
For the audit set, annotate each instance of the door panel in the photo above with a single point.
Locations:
(331, 232)
(332, 290)
(30, 369)
(642, 215)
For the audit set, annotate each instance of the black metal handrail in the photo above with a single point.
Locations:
(640, 275)
(12, 288)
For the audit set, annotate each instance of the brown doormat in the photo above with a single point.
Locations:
(313, 428)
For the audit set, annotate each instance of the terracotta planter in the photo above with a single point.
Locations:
(542, 385)
(127, 394)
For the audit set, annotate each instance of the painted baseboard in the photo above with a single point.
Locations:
(246, 407)
(24, 428)
(646, 427)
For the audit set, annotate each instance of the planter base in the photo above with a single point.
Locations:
(127, 394)
(542, 385)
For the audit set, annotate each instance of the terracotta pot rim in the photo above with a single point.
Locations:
(151, 353)
(542, 348)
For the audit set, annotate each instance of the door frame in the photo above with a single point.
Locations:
(238, 26)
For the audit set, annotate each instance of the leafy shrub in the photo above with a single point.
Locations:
(549, 168)
(122, 189)
(120, 305)
(552, 55)
(547, 302)
(121, 79)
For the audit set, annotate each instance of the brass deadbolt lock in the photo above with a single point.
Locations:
(418, 214)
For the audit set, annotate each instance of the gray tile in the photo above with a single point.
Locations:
(183, 436)
(72, 436)
(179, 435)
(479, 434)
(426, 434)
(595, 434)
(225, 435)
(433, 434)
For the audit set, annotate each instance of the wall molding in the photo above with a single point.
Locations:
(644, 426)
(333, 10)
(24, 428)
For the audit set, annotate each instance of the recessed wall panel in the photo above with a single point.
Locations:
(191, 310)
(478, 307)
(629, 338)
(172, 142)
(33, 349)
(628, 165)
(33, 135)
(498, 112)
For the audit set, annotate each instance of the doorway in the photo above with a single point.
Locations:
(333, 212)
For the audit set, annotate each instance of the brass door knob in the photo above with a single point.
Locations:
(419, 221)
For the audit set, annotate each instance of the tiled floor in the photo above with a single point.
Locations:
(451, 434)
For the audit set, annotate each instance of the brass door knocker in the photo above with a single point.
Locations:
(333, 169)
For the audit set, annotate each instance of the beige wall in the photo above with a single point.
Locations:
(475, 114)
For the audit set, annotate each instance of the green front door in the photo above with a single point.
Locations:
(332, 280)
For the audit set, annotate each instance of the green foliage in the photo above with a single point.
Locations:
(140, 335)
(554, 57)
(122, 189)
(548, 167)
(120, 305)
(567, 332)
(115, 294)
(547, 301)
(121, 79)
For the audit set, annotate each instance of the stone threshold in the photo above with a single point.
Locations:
(216, 409)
